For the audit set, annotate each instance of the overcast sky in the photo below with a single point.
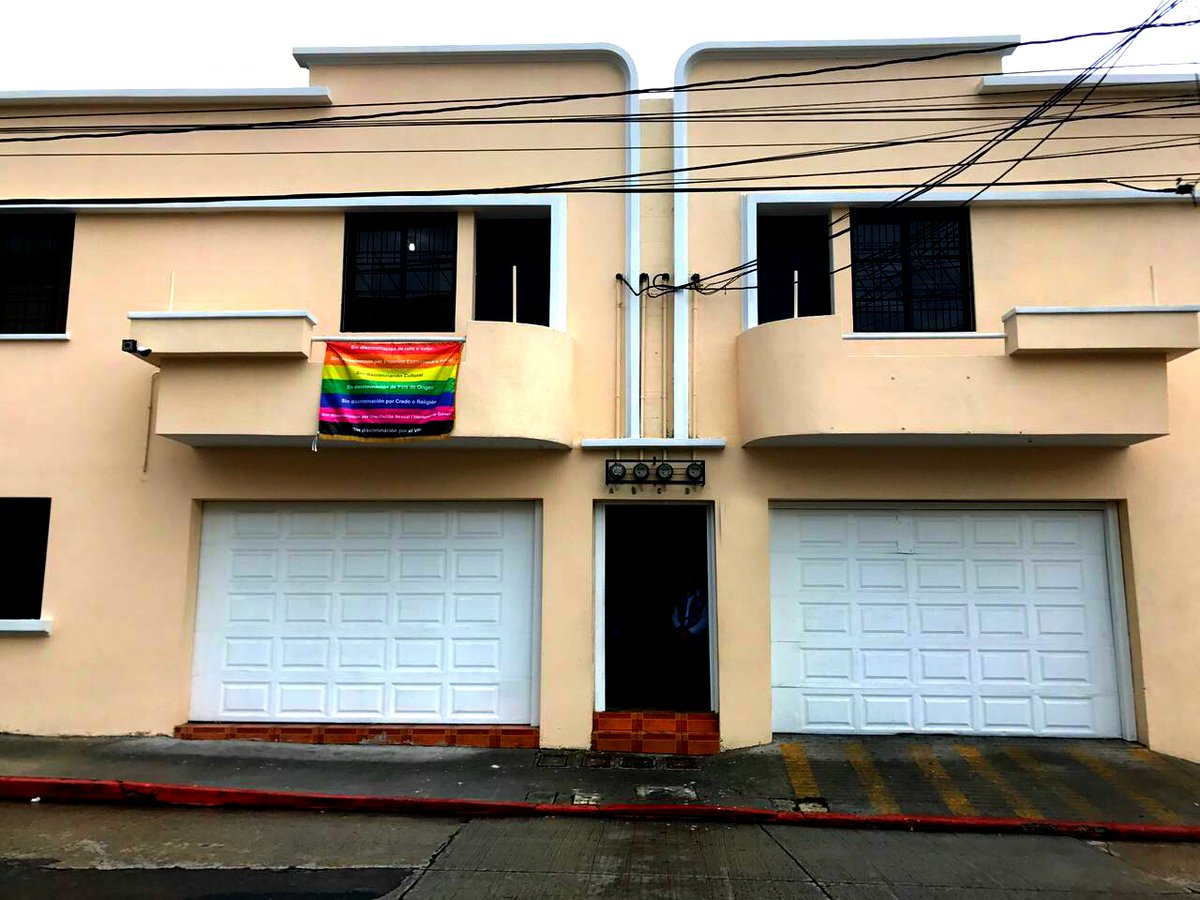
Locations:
(247, 43)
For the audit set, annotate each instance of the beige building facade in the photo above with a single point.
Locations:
(948, 477)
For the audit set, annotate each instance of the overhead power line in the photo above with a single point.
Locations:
(723, 83)
(948, 174)
(325, 107)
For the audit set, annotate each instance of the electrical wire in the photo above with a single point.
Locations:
(724, 83)
(740, 115)
(976, 156)
(325, 107)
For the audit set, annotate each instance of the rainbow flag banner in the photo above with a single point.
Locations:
(388, 391)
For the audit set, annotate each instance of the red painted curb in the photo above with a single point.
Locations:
(78, 790)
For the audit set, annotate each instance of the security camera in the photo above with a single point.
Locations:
(129, 345)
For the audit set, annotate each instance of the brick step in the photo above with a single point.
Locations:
(672, 742)
(650, 731)
(497, 736)
(691, 724)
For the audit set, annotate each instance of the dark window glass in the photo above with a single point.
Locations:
(793, 267)
(912, 270)
(399, 272)
(23, 556)
(500, 245)
(35, 272)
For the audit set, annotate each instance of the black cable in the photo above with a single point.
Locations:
(562, 149)
(888, 106)
(682, 88)
(775, 114)
(324, 107)
(1030, 120)
(1183, 141)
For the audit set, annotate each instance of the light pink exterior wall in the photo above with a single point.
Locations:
(120, 580)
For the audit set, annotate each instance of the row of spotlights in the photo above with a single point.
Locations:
(663, 471)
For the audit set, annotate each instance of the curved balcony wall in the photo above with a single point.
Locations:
(800, 382)
(221, 387)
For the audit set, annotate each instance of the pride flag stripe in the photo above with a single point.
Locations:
(388, 391)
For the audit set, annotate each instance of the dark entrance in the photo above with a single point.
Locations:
(656, 617)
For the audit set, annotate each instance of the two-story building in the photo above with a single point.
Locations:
(830, 455)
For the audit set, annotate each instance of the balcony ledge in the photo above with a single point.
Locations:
(266, 333)
(1169, 331)
(800, 384)
(253, 380)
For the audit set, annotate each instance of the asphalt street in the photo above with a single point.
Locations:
(89, 852)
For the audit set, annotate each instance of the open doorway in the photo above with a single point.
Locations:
(657, 617)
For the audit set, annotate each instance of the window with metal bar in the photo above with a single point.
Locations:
(793, 266)
(23, 556)
(399, 272)
(911, 270)
(512, 269)
(35, 272)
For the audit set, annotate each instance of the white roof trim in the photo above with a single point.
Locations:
(288, 96)
(381, 56)
(225, 314)
(1156, 84)
(1101, 310)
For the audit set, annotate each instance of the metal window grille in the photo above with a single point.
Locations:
(35, 272)
(400, 272)
(911, 270)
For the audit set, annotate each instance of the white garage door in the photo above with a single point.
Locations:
(942, 620)
(372, 612)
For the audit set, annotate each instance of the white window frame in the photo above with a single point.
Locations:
(599, 557)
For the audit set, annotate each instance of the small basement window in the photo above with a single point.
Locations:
(793, 267)
(399, 272)
(23, 556)
(911, 270)
(512, 269)
(35, 272)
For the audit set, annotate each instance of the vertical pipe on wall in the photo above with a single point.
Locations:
(633, 252)
(680, 348)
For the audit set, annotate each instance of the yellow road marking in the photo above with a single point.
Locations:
(1078, 803)
(977, 761)
(933, 770)
(877, 790)
(1108, 773)
(799, 772)
(1164, 768)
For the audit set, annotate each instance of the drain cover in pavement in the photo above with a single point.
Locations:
(552, 760)
(540, 797)
(585, 798)
(597, 761)
(637, 762)
(663, 793)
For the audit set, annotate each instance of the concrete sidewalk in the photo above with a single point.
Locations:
(967, 780)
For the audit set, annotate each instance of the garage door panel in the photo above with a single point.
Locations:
(913, 619)
(365, 612)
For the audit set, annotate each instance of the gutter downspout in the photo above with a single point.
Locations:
(680, 346)
(633, 250)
